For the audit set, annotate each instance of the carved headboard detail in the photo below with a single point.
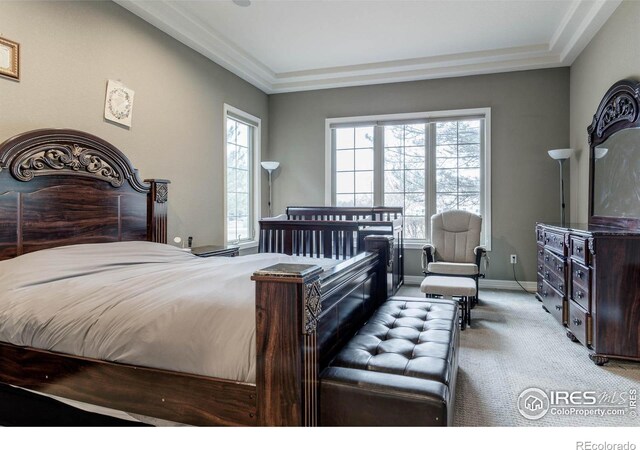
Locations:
(61, 187)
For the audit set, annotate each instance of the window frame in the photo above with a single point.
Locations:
(431, 116)
(231, 112)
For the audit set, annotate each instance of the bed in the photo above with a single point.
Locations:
(65, 190)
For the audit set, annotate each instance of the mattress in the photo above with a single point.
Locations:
(139, 303)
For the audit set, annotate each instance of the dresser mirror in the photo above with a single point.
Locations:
(614, 137)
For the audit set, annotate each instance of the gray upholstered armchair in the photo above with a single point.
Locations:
(455, 246)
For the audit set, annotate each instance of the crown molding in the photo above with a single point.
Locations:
(579, 25)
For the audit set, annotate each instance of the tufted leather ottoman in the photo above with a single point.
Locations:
(398, 370)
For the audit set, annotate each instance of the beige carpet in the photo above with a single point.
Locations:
(512, 345)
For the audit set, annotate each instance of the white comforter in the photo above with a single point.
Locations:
(138, 303)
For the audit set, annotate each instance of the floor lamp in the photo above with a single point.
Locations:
(561, 155)
(270, 166)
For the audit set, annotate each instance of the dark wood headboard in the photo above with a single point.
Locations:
(62, 187)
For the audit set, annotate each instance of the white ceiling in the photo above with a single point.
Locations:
(294, 45)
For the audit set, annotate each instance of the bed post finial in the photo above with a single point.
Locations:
(157, 210)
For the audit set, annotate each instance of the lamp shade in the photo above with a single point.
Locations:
(270, 165)
(561, 153)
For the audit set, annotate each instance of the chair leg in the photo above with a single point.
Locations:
(463, 310)
(468, 312)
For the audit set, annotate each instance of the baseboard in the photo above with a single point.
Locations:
(510, 285)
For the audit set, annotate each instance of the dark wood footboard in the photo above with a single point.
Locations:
(303, 317)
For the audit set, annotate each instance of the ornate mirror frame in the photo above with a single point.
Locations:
(619, 109)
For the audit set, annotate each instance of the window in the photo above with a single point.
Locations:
(241, 175)
(425, 162)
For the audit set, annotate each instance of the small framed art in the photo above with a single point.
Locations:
(9, 59)
(118, 104)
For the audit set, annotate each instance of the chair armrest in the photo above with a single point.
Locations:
(428, 255)
(480, 252)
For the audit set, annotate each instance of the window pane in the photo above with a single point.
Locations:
(469, 131)
(231, 180)
(232, 155)
(446, 163)
(469, 180)
(242, 156)
(243, 228)
(243, 134)
(472, 162)
(345, 200)
(394, 136)
(414, 181)
(364, 200)
(231, 228)
(393, 158)
(469, 150)
(446, 180)
(344, 182)
(469, 202)
(231, 131)
(364, 137)
(344, 138)
(364, 159)
(446, 133)
(344, 160)
(394, 181)
(242, 181)
(445, 202)
(414, 204)
(415, 227)
(394, 200)
(242, 201)
(414, 136)
(231, 204)
(446, 151)
(364, 181)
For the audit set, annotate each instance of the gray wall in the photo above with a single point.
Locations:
(612, 55)
(70, 49)
(529, 114)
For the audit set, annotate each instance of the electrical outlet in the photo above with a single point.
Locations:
(514, 259)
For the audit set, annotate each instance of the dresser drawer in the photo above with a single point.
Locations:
(540, 235)
(554, 302)
(580, 275)
(579, 323)
(554, 263)
(540, 258)
(555, 241)
(540, 285)
(555, 280)
(581, 296)
(578, 249)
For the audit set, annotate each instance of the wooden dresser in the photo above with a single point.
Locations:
(589, 280)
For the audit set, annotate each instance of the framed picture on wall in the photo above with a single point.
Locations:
(118, 104)
(9, 59)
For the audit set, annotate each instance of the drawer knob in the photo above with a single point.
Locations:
(547, 275)
(579, 249)
(545, 293)
(580, 294)
(561, 286)
(559, 267)
(579, 273)
(546, 258)
(541, 253)
(540, 267)
(558, 307)
(577, 322)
